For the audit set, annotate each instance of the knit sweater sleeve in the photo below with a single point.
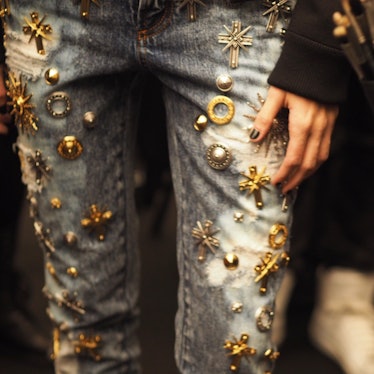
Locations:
(312, 63)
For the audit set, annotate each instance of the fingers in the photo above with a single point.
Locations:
(265, 117)
(310, 129)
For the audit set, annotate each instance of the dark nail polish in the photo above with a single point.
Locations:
(254, 134)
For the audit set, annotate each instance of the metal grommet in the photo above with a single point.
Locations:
(230, 110)
(264, 318)
(201, 122)
(218, 156)
(59, 104)
(231, 261)
(278, 236)
(89, 119)
(70, 148)
(52, 76)
(224, 82)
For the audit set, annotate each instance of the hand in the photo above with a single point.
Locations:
(310, 126)
(5, 118)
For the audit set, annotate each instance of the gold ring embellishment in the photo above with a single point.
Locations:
(230, 110)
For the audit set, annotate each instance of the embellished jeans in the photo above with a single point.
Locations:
(74, 84)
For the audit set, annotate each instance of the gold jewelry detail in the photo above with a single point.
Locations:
(239, 349)
(230, 108)
(4, 8)
(205, 238)
(37, 30)
(21, 106)
(254, 183)
(278, 236)
(235, 39)
(231, 261)
(56, 203)
(85, 7)
(52, 76)
(97, 221)
(69, 147)
(88, 345)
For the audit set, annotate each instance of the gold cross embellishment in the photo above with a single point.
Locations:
(253, 184)
(37, 30)
(191, 6)
(276, 8)
(97, 220)
(4, 8)
(239, 349)
(269, 266)
(20, 105)
(205, 239)
(89, 345)
(85, 7)
(235, 39)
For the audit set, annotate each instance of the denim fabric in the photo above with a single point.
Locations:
(92, 282)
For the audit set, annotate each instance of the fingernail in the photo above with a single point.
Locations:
(254, 134)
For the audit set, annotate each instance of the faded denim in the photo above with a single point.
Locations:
(101, 61)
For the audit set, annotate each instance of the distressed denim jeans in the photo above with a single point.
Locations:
(75, 82)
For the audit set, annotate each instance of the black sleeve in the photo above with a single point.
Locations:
(312, 63)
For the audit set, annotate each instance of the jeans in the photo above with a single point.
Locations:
(75, 86)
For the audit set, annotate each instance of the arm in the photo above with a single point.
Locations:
(310, 79)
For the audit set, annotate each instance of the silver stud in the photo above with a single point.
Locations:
(218, 156)
(224, 82)
(89, 120)
(237, 307)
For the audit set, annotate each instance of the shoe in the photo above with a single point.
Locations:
(342, 323)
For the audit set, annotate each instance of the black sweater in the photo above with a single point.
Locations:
(312, 63)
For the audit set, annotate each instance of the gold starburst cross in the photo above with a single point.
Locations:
(37, 30)
(253, 184)
(97, 221)
(85, 7)
(21, 108)
(239, 349)
(191, 6)
(4, 8)
(235, 39)
(89, 345)
(205, 238)
(276, 9)
(269, 265)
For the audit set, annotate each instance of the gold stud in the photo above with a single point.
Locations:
(88, 345)
(37, 30)
(231, 261)
(72, 271)
(69, 147)
(228, 112)
(238, 217)
(52, 76)
(200, 123)
(70, 238)
(56, 203)
(237, 307)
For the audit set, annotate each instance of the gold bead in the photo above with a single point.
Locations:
(231, 261)
(72, 271)
(52, 76)
(70, 238)
(56, 203)
(200, 123)
(89, 119)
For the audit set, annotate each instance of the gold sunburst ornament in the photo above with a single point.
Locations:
(97, 221)
(21, 107)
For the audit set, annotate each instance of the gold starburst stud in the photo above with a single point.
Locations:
(239, 349)
(37, 30)
(97, 221)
